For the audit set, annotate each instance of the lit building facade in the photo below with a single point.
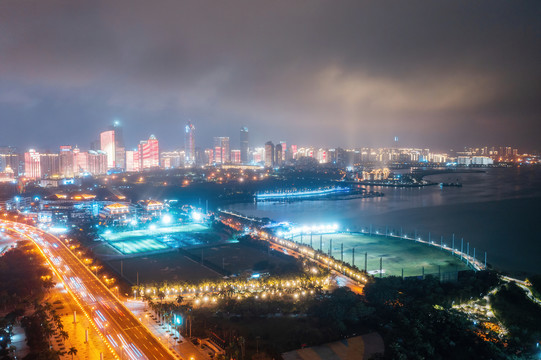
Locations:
(189, 144)
(269, 154)
(221, 150)
(107, 144)
(66, 159)
(244, 140)
(120, 149)
(32, 168)
(149, 153)
(236, 156)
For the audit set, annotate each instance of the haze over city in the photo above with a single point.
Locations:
(439, 75)
(270, 180)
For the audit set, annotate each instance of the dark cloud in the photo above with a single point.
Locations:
(326, 73)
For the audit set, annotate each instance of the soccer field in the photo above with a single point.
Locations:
(130, 247)
(396, 254)
(158, 231)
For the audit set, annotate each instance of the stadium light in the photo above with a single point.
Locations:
(167, 219)
(196, 216)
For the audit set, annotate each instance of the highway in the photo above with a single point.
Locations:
(127, 338)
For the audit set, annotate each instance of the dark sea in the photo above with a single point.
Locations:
(497, 211)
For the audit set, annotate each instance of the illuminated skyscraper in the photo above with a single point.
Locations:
(132, 160)
(269, 154)
(284, 151)
(49, 164)
(120, 150)
(107, 142)
(235, 156)
(149, 153)
(32, 168)
(221, 150)
(278, 154)
(97, 162)
(66, 159)
(209, 156)
(244, 139)
(294, 151)
(189, 144)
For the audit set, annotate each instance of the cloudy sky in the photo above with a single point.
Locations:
(443, 74)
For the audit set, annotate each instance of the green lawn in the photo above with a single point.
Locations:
(159, 231)
(397, 254)
(130, 247)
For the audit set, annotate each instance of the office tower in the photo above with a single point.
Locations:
(293, 151)
(49, 164)
(258, 155)
(221, 150)
(284, 151)
(66, 161)
(172, 159)
(120, 149)
(189, 144)
(278, 154)
(149, 153)
(9, 157)
(81, 162)
(209, 156)
(130, 161)
(322, 156)
(32, 168)
(235, 156)
(269, 154)
(107, 144)
(97, 162)
(244, 139)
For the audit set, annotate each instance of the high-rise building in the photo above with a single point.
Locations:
(221, 150)
(97, 162)
(189, 144)
(258, 155)
(244, 139)
(120, 149)
(284, 151)
(293, 151)
(66, 160)
(49, 163)
(10, 157)
(278, 154)
(172, 159)
(131, 164)
(269, 154)
(149, 153)
(209, 156)
(235, 156)
(107, 143)
(81, 162)
(32, 168)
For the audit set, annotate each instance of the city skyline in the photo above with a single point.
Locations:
(351, 75)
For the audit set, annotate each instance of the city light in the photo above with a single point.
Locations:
(196, 216)
(167, 219)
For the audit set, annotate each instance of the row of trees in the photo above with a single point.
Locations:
(24, 281)
(23, 277)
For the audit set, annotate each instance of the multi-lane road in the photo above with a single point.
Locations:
(126, 336)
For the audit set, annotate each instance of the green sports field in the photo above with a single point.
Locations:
(159, 238)
(131, 247)
(396, 254)
(158, 231)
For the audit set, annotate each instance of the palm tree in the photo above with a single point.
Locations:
(179, 299)
(72, 351)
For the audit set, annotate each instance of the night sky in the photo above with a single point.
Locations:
(442, 74)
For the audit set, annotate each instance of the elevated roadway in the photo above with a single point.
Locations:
(125, 335)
